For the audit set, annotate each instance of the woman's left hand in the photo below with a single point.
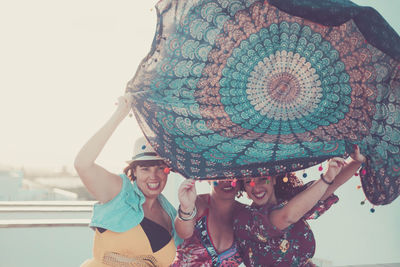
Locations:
(335, 165)
(187, 195)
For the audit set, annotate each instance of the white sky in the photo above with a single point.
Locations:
(64, 63)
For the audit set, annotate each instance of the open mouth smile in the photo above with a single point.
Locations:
(259, 195)
(228, 188)
(153, 186)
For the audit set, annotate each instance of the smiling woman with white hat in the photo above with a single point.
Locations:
(133, 222)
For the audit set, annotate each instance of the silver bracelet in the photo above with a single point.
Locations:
(191, 216)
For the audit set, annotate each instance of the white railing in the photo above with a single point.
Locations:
(13, 210)
(45, 233)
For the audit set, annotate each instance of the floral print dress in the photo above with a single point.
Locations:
(198, 250)
(262, 244)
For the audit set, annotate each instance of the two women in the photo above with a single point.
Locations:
(270, 232)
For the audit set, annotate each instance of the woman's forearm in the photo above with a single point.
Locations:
(91, 150)
(299, 205)
(184, 228)
(343, 176)
(102, 184)
(184, 223)
(187, 211)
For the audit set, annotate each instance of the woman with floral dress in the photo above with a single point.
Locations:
(273, 231)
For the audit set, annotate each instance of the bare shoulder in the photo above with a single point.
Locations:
(203, 199)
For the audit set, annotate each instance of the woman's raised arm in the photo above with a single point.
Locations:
(186, 218)
(348, 171)
(299, 205)
(102, 184)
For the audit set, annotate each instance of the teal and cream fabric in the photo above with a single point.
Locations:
(238, 88)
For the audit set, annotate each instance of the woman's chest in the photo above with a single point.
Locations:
(160, 217)
(220, 234)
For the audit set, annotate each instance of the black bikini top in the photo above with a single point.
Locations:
(157, 235)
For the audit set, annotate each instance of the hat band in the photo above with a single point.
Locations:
(144, 154)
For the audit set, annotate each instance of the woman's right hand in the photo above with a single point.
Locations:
(124, 104)
(187, 195)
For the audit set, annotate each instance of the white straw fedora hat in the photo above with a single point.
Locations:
(142, 150)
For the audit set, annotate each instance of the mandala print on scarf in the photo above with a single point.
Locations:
(241, 88)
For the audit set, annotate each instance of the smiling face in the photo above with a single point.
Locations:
(224, 190)
(151, 179)
(262, 192)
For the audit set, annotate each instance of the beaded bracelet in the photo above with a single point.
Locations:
(184, 213)
(325, 181)
(191, 215)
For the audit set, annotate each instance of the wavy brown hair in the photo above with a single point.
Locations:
(287, 190)
(129, 170)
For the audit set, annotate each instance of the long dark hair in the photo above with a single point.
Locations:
(287, 190)
(129, 170)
